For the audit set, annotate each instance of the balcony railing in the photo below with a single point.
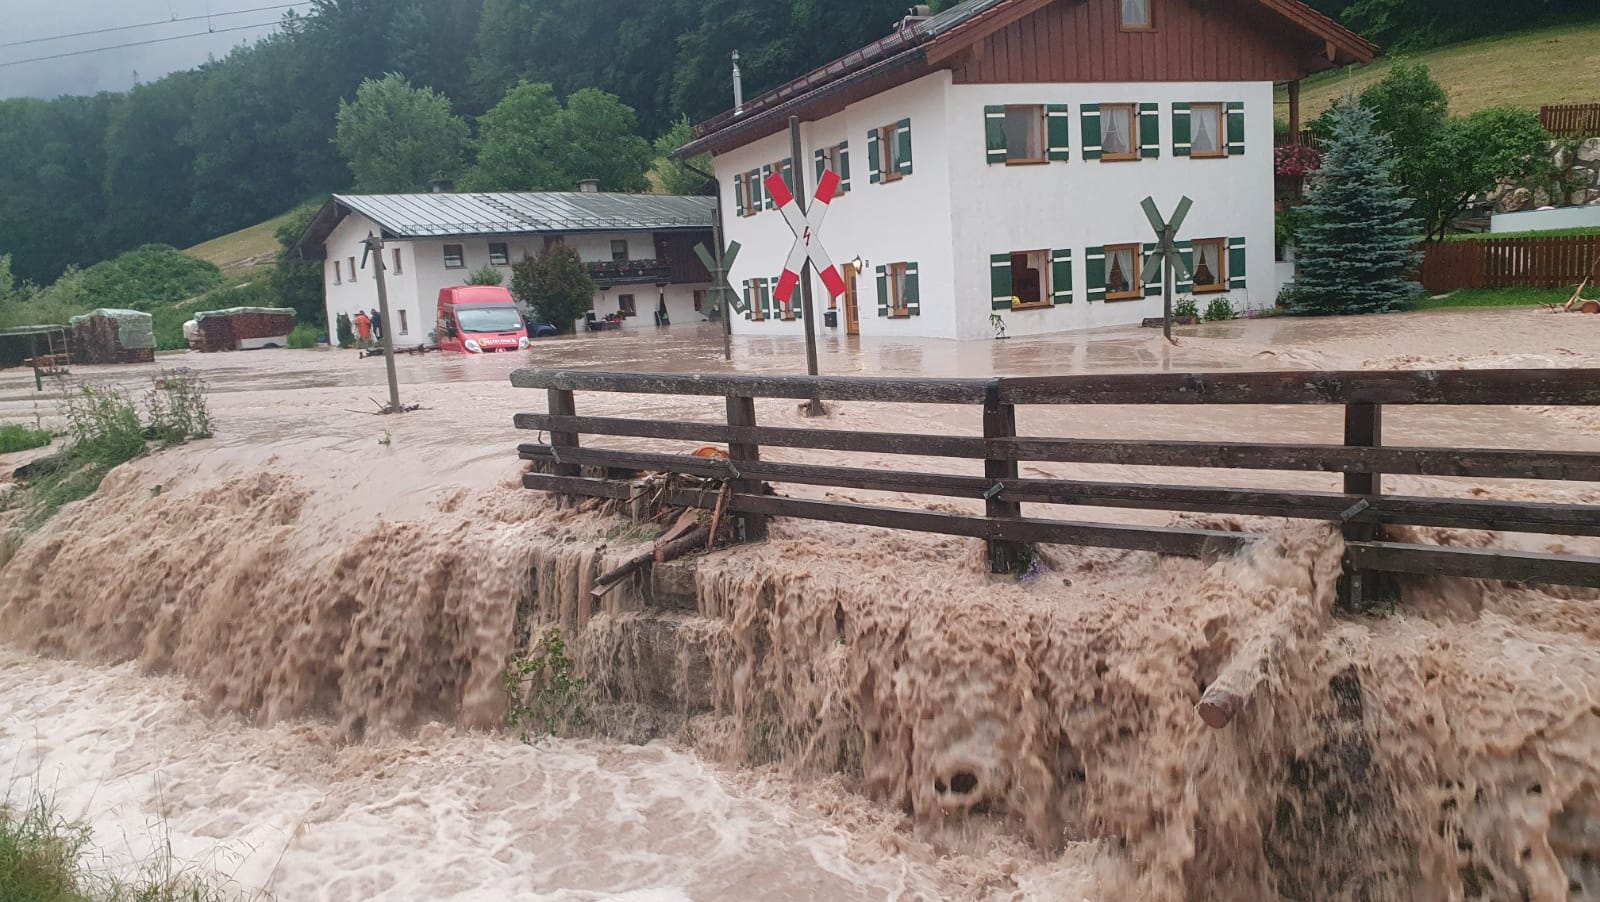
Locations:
(629, 272)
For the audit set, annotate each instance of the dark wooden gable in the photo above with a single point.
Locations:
(1193, 40)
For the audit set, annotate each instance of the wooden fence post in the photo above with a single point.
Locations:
(1000, 421)
(562, 404)
(1363, 428)
(742, 412)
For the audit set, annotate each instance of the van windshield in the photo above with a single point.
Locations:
(489, 319)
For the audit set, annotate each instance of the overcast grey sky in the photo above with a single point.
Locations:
(113, 70)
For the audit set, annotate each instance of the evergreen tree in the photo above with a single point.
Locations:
(1356, 250)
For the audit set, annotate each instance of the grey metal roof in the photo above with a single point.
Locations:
(450, 215)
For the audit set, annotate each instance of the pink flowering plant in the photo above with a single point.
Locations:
(1296, 160)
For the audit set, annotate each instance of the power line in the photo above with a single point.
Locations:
(174, 19)
(176, 37)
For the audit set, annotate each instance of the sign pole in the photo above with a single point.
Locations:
(375, 250)
(722, 299)
(806, 310)
(1166, 287)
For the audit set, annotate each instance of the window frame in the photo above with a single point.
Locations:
(460, 256)
(398, 270)
(627, 306)
(405, 327)
(894, 280)
(338, 272)
(888, 147)
(352, 268)
(1220, 133)
(1149, 17)
(833, 158)
(752, 192)
(1135, 289)
(1041, 134)
(757, 313)
(1135, 142)
(504, 258)
(1221, 285)
(1046, 294)
(624, 250)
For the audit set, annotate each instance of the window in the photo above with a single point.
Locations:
(454, 257)
(1210, 264)
(619, 251)
(338, 273)
(836, 158)
(700, 296)
(352, 269)
(891, 155)
(398, 271)
(499, 254)
(753, 291)
(1206, 136)
(1030, 285)
(1136, 15)
(405, 324)
(750, 192)
(1123, 265)
(625, 305)
(1118, 139)
(1024, 134)
(896, 284)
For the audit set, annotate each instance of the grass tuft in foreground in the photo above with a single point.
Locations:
(1495, 297)
(42, 858)
(14, 437)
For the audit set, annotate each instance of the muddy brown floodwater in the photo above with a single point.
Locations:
(280, 650)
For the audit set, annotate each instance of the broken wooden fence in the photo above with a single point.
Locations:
(1362, 508)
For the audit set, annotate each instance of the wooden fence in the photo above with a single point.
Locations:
(1362, 508)
(1510, 263)
(1571, 120)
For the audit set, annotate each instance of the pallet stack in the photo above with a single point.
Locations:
(244, 328)
(113, 336)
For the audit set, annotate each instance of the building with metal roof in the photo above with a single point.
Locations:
(638, 248)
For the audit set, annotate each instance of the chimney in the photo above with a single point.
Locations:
(444, 186)
(589, 186)
(738, 87)
(916, 14)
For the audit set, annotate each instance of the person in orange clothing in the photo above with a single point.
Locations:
(363, 328)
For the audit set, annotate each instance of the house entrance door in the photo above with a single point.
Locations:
(852, 319)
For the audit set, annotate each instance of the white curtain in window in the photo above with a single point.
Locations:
(1207, 263)
(1135, 12)
(1204, 139)
(1116, 130)
(1121, 271)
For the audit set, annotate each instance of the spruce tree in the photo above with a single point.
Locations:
(1355, 251)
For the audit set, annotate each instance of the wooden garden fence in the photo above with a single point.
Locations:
(1571, 120)
(1510, 263)
(569, 467)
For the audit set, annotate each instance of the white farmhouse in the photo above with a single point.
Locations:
(994, 157)
(639, 249)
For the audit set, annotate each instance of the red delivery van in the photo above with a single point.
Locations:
(480, 319)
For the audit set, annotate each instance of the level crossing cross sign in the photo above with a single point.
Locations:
(807, 243)
(721, 292)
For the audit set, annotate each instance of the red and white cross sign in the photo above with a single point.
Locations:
(807, 244)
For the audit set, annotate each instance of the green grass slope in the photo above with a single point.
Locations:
(244, 249)
(1526, 69)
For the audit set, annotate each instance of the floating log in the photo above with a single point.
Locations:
(671, 551)
(1231, 691)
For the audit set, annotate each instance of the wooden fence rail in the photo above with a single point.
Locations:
(1511, 263)
(1362, 509)
(1571, 120)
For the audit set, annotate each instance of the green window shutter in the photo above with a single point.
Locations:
(994, 133)
(1150, 130)
(844, 168)
(821, 161)
(1058, 131)
(905, 146)
(883, 291)
(1153, 287)
(788, 174)
(766, 198)
(1186, 250)
(1182, 135)
(1061, 277)
(1090, 113)
(738, 194)
(1235, 129)
(1236, 263)
(749, 305)
(1094, 261)
(913, 291)
(767, 308)
(1000, 281)
(874, 158)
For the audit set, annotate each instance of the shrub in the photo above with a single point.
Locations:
(488, 275)
(304, 337)
(176, 406)
(148, 277)
(102, 426)
(20, 438)
(1219, 310)
(544, 695)
(555, 284)
(1185, 307)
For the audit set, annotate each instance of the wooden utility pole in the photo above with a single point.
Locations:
(807, 312)
(374, 251)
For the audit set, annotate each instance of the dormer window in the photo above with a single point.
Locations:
(1136, 15)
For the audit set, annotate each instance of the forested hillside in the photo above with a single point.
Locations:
(202, 153)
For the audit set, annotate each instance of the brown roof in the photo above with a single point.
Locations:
(921, 46)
